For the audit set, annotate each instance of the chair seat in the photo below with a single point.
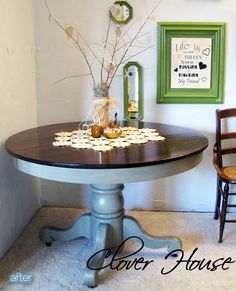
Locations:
(230, 173)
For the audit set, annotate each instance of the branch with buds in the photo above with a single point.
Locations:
(116, 51)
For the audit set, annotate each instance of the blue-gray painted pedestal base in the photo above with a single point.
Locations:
(107, 227)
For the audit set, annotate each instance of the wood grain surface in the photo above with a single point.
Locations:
(35, 145)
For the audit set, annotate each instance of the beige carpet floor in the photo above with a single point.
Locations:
(61, 267)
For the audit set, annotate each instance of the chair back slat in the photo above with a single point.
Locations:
(224, 113)
(228, 151)
(228, 135)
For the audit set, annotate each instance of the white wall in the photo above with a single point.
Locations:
(70, 100)
(19, 193)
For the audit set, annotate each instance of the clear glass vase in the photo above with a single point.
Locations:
(105, 108)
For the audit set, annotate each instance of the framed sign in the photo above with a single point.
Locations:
(190, 62)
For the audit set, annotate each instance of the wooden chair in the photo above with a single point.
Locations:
(226, 174)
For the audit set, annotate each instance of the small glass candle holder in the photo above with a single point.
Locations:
(96, 130)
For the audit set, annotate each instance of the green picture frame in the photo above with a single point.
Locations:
(190, 62)
(128, 18)
(133, 91)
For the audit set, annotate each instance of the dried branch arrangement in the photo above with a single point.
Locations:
(118, 48)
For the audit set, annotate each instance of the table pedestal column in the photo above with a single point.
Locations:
(107, 206)
(107, 227)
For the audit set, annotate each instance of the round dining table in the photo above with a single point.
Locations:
(106, 225)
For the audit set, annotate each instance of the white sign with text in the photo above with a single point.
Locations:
(191, 63)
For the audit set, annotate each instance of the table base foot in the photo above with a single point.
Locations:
(95, 263)
(132, 228)
(81, 228)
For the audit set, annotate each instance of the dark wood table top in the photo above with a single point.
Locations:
(35, 145)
